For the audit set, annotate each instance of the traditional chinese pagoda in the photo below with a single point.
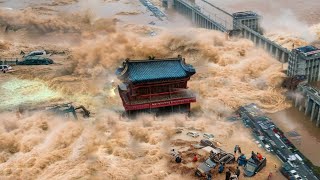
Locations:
(155, 85)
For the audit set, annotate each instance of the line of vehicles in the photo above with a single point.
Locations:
(274, 141)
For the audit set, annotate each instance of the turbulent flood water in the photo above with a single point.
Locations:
(89, 40)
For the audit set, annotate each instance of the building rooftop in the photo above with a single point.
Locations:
(244, 15)
(143, 71)
(308, 50)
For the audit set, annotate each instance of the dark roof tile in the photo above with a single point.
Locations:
(155, 70)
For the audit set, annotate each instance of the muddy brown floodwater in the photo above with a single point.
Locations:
(309, 141)
(281, 18)
(88, 41)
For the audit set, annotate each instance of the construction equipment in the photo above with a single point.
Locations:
(68, 110)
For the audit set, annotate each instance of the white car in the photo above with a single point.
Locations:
(293, 172)
(208, 136)
(297, 177)
(5, 68)
(268, 147)
(193, 134)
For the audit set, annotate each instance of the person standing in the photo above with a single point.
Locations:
(228, 174)
(236, 147)
(209, 176)
(259, 156)
(195, 158)
(239, 149)
(237, 172)
(221, 168)
(270, 176)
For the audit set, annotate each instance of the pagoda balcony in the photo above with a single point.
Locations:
(182, 97)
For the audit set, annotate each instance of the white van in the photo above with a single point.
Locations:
(5, 68)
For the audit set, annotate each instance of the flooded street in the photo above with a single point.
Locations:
(309, 140)
(284, 17)
(88, 40)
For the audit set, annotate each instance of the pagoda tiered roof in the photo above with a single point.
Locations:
(145, 71)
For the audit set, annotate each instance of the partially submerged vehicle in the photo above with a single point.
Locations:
(5, 68)
(254, 165)
(208, 136)
(35, 60)
(193, 134)
(217, 156)
(206, 142)
(205, 167)
(222, 157)
(176, 156)
(66, 110)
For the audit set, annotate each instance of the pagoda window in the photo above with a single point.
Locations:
(143, 91)
(160, 89)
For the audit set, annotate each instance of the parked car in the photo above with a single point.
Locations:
(297, 177)
(205, 167)
(35, 60)
(294, 175)
(176, 156)
(5, 68)
(206, 142)
(208, 136)
(193, 134)
(223, 157)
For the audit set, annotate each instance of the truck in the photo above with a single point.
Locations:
(204, 168)
(253, 166)
(217, 156)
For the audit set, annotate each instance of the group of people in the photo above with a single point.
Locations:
(257, 156)
(235, 176)
(229, 174)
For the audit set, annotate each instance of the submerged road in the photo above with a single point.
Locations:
(270, 134)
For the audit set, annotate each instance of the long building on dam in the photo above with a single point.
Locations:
(305, 61)
(247, 18)
(244, 24)
(308, 101)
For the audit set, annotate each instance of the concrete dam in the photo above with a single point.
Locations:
(244, 24)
